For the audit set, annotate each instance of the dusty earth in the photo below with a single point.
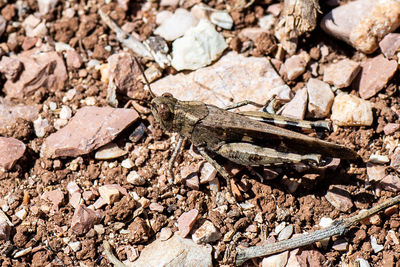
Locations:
(48, 233)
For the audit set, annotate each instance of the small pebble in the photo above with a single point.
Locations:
(278, 260)
(339, 198)
(350, 110)
(375, 246)
(286, 233)
(165, 233)
(21, 214)
(135, 179)
(109, 193)
(109, 151)
(186, 222)
(320, 98)
(156, 207)
(222, 19)
(206, 233)
(340, 245)
(378, 159)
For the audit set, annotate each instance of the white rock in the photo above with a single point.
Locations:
(206, 233)
(45, 6)
(163, 16)
(34, 27)
(278, 260)
(325, 222)
(320, 98)
(378, 159)
(199, 47)
(127, 163)
(175, 251)
(65, 112)
(362, 263)
(286, 233)
(199, 11)
(135, 179)
(39, 125)
(267, 22)
(375, 246)
(169, 2)
(109, 151)
(350, 110)
(75, 246)
(233, 78)
(21, 214)
(222, 19)
(280, 227)
(176, 25)
(23, 252)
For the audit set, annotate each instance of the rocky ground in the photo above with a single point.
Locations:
(83, 161)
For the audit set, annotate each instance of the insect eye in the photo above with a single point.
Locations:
(164, 112)
(167, 95)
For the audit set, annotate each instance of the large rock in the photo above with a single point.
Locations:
(363, 23)
(41, 69)
(90, 128)
(232, 79)
(175, 252)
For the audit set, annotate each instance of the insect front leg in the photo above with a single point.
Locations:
(170, 173)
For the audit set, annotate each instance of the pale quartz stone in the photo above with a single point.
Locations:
(350, 110)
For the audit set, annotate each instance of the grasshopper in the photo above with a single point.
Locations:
(239, 138)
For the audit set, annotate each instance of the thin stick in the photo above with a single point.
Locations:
(110, 256)
(339, 227)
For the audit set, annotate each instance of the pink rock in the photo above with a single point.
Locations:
(89, 194)
(207, 173)
(342, 73)
(3, 24)
(75, 199)
(11, 150)
(251, 33)
(295, 66)
(391, 128)
(390, 183)
(9, 112)
(390, 44)
(120, 189)
(156, 207)
(339, 198)
(275, 9)
(320, 98)
(395, 160)
(165, 233)
(90, 128)
(340, 245)
(375, 74)
(56, 197)
(124, 71)
(296, 108)
(10, 67)
(363, 23)
(186, 222)
(72, 187)
(109, 193)
(99, 203)
(84, 219)
(193, 182)
(375, 172)
(41, 69)
(74, 59)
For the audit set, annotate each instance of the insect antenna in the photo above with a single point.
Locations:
(144, 76)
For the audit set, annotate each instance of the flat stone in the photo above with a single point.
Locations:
(11, 150)
(41, 70)
(278, 260)
(375, 172)
(296, 108)
(350, 110)
(391, 128)
(320, 98)
(176, 251)
(193, 182)
(286, 233)
(251, 33)
(73, 187)
(89, 194)
(109, 151)
(375, 74)
(90, 128)
(73, 59)
(99, 203)
(84, 219)
(206, 233)
(339, 198)
(233, 78)
(390, 183)
(341, 74)
(186, 222)
(176, 25)
(296, 65)
(222, 19)
(165, 233)
(56, 197)
(363, 23)
(390, 44)
(199, 47)
(340, 245)
(109, 193)
(34, 27)
(375, 246)
(156, 207)
(75, 199)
